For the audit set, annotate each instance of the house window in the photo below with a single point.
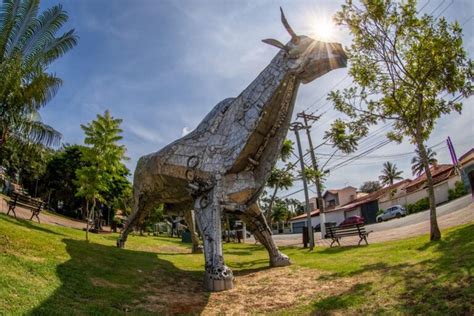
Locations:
(332, 202)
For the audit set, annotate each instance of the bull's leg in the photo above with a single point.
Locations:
(218, 276)
(189, 217)
(257, 225)
(140, 210)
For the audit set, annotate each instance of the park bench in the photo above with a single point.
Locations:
(336, 233)
(25, 201)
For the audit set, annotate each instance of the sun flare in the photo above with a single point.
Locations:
(323, 29)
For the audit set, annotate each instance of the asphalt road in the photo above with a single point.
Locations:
(441, 210)
(395, 223)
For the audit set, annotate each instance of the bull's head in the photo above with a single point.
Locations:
(307, 57)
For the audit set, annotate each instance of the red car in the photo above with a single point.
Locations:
(353, 220)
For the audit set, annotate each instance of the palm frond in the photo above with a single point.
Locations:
(47, 25)
(8, 13)
(42, 89)
(24, 26)
(39, 133)
(59, 46)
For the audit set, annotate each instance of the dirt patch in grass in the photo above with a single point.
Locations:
(172, 249)
(261, 291)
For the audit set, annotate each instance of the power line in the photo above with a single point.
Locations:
(322, 96)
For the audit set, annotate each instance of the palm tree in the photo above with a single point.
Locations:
(28, 45)
(390, 173)
(417, 167)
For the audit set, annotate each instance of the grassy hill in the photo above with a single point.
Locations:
(51, 270)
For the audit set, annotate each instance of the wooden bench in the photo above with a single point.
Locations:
(25, 201)
(336, 233)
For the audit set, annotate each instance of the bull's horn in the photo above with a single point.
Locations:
(294, 37)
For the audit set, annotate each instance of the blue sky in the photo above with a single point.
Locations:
(161, 66)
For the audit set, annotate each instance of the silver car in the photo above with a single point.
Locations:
(396, 211)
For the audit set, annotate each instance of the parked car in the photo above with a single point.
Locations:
(396, 211)
(353, 220)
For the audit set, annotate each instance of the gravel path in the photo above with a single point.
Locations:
(45, 218)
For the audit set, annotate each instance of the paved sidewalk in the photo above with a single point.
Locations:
(45, 218)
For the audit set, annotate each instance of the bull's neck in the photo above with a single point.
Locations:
(263, 111)
(261, 91)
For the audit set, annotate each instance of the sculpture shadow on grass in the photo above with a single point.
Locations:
(99, 279)
(441, 285)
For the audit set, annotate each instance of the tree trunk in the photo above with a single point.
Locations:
(435, 233)
(87, 220)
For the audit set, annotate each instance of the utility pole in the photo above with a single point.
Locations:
(322, 215)
(296, 127)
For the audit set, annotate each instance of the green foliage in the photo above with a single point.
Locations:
(28, 45)
(25, 163)
(419, 206)
(417, 167)
(58, 183)
(458, 191)
(286, 150)
(400, 64)
(280, 211)
(370, 186)
(390, 174)
(380, 211)
(103, 173)
(154, 216)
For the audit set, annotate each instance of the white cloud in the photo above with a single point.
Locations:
(185, 131)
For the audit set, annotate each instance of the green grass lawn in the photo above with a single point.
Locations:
(51, 270)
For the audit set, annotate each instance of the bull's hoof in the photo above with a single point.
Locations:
(218, 279)
(120, 243)
(281, 260)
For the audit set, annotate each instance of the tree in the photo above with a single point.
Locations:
(390, 173)
(403, 65)
(280, 178)
(28, 45)
(280, 212)
(25, 163)
(417, 166)
(103, 157)
(59, 181)
(370, 186)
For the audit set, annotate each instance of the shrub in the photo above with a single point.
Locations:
(418, 206)
(458, 191)
(379, 212)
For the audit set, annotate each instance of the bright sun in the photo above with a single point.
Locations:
(323, 29)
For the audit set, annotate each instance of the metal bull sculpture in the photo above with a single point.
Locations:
(222, 165)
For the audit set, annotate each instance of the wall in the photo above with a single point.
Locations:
(302, 222)
(441, 194)
(329, 196)
(337, 216)
(347, 195)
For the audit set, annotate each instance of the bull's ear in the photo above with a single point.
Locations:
(274, 42)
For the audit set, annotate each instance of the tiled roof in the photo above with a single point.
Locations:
(313, 214)
(469, 155)
(438, 172)
(371, 196)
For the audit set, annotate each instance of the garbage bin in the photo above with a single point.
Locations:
(306, 236)
(186, 237)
